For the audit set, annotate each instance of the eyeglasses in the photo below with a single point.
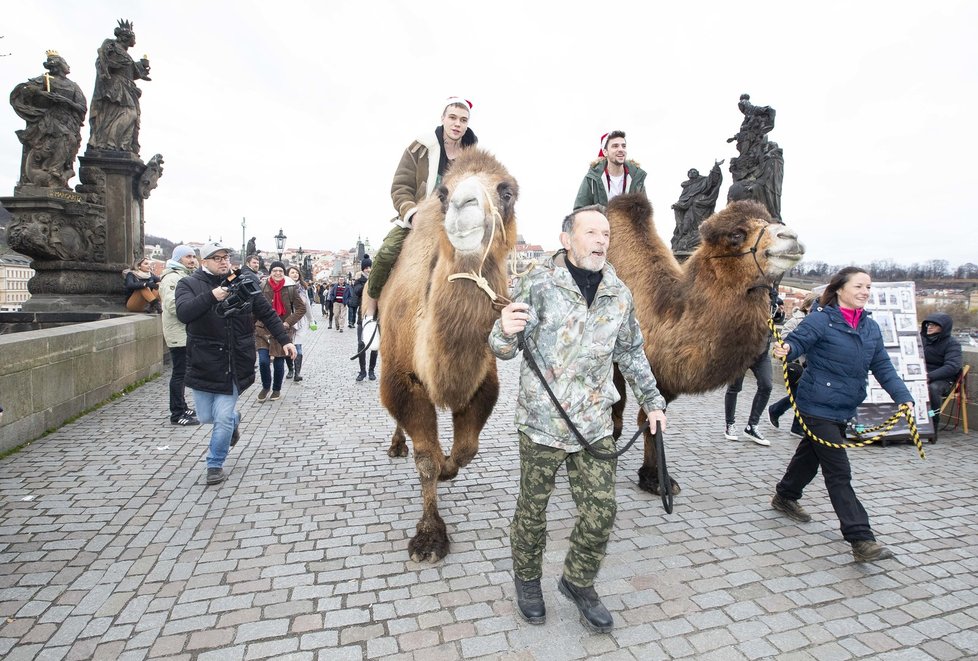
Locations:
(221, 258)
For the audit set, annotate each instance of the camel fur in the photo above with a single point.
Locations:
(704, 322)
(434, 344)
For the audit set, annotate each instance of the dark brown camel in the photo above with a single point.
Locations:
(434, 345)
(704, 322)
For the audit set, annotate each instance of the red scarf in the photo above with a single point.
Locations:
(277, 303)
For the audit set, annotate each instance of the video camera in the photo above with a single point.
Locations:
(241, 289)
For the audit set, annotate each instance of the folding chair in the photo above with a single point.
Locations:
(957, 399)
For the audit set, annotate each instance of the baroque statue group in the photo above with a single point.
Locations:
(757, 173)
(80, 239)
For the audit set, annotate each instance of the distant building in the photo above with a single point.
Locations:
(15, 271)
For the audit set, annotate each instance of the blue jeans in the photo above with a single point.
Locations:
(218, 409)
(264, 369)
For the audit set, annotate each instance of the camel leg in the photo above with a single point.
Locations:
(408, 403)
(468, 423)
(398, 446)
(648, 474)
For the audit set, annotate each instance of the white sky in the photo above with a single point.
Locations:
(294, 115)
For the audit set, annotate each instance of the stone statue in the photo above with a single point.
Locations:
(252, 249)
(150, 176)
(696, 204)
(54, 109)
(760, 161)
(115, 103)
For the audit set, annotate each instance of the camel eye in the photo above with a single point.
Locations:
(505, 192)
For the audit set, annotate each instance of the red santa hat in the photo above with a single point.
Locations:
(453, 100)
(604, 138)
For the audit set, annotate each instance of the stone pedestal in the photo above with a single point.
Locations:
(81, 241)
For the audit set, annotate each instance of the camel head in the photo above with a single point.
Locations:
(478, 197)
(744, 229)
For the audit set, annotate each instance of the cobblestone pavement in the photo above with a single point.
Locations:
(111, 546)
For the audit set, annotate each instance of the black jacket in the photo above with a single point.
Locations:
(220, 351)
(942, 353)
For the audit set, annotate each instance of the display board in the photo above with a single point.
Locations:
(894, 308)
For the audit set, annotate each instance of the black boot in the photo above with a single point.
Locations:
(373, 364)
(298, 368)
(529, 601)
(291, 366)
(594, 615)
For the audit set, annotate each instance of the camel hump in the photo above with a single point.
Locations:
(633, 208)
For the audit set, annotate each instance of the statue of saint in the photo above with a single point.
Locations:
(115, 103)
(251, 249)
(696, 204)
(54, 109)
(760, 161)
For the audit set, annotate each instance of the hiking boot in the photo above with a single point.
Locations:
(361, 376)
(185, 421)
(751, 432)
(730, 433)
(235, 436)
(263, 394)
(790, 508)
(216, 476)
(276, 395)
(773, 418)
(594, 615)
(868, 550)
(529, 601)
(372, 375)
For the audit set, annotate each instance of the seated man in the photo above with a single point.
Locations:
(942, 355)
(418, 175)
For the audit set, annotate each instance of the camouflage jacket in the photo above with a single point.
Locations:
(575, 347)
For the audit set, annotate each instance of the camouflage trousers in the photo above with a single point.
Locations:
(383, 260)
(592, 485)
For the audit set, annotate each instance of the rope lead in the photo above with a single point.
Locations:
(903, 412)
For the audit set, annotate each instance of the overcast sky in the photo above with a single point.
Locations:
(294, 115)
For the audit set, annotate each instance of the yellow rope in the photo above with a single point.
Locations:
(888, 424)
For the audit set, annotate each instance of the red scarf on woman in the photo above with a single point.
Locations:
(277, 303)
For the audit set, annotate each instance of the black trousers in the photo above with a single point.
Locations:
(178, 403)
(834, 462)
(762, 372)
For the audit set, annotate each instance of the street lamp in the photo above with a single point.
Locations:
(298, 256)
(280, 243)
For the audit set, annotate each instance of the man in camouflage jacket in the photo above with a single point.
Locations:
(578, 319)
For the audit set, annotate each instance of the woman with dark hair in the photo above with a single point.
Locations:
(286, 299)
(842, 344)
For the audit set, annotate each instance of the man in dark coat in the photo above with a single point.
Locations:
(221, 349)
(942, 355)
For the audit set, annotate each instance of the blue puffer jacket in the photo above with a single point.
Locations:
(839, 360)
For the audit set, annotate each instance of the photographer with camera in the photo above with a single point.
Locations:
(220, 309)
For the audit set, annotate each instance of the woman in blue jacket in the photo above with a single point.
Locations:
(842, 344)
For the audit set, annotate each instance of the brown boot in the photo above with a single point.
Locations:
(868, 550)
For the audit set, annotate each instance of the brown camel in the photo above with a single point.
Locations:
(706, 321)
(434, 344)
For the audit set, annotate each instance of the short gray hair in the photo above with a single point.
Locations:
(568, 223)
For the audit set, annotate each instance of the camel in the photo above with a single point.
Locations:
(434, 346)
(704, 322)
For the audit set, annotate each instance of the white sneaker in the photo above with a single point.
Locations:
(730, 433)
(754, 435)
(371, 334)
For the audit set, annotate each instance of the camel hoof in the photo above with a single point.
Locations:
(396, 451)
(428, 547)
(448, 470)
(651, 484)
